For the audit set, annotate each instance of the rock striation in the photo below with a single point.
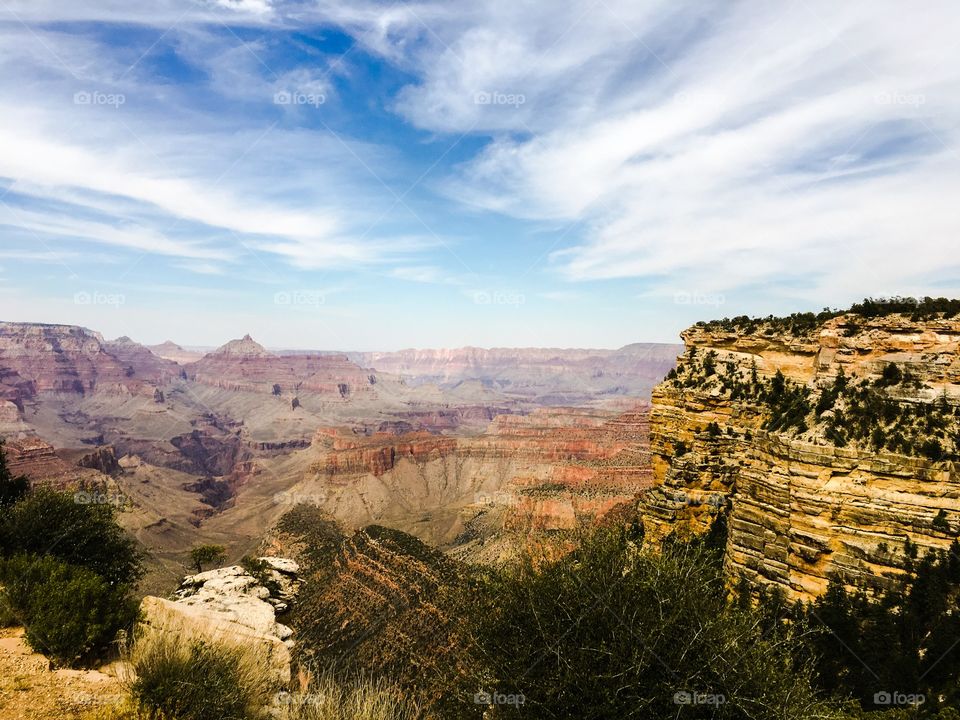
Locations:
(245, 365)
(550, 470)
(831, 445)
(38, 358)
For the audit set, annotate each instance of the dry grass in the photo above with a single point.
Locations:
(192, 678)
(323, 697)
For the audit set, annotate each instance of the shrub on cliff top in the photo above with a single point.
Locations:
(84, 535)
(70, 613)
(610, 631)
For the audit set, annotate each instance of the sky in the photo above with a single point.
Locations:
(379, 175)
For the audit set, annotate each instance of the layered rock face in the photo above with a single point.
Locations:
(38, 460)
(546, 374)
(245, 365)
(550, 470)
(832, 446)
(36, 358)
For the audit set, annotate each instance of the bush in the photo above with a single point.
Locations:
(69, 612)
(195, 679)
(207, 554)
(84, 535)
(613, 632)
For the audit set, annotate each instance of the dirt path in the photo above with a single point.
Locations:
(30, 690)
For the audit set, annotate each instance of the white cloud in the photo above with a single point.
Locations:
(809, 149)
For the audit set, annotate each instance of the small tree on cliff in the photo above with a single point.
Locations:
(12, 488)
(276, 389)
(207, 554)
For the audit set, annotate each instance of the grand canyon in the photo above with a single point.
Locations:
(490, 360)
(467, 449)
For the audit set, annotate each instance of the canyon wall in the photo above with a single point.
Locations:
(832, 446)
(38, 358)
(549, 471)
(548, 375)
(245, 365)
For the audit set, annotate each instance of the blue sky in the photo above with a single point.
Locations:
(378, 175)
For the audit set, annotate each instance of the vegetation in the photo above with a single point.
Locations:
(882, 414)
(67, 571)
(12, 488)
(70, 613)
(86, 535)
(207, 555)
(609, 631)
(193, 679)
(798, 324)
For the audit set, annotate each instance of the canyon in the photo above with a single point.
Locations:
(830, 444)
(500, 448)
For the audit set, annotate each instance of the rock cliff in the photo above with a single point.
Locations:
(38, 358)
(245, 365)
(831, 440)
(234, 605)
(548, 471)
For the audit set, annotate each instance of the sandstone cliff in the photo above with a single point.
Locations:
(832, 442)
(38, 358)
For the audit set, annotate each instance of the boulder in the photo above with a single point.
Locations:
(231, 605)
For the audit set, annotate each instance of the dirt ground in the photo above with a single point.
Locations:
(30, 690)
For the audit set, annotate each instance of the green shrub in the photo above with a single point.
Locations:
(613, 632)
(207, 554)
(69, 612)
(195, 679)
(12, 488)
(84, 535)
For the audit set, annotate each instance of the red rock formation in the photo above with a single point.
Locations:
(39, 461)
(245, 365)
(553, 469)
(37, 358)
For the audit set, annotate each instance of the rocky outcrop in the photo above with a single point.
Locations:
(231, 604)
(549, 375)
(39, 461)
(38, 358)
(790, 430)
(245, 365)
